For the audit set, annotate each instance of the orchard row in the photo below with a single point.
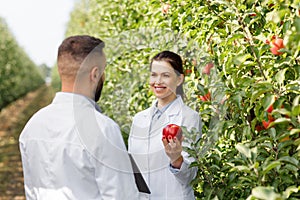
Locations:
(18, 74)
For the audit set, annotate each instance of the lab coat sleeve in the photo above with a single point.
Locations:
(186, 173)
(113, 167)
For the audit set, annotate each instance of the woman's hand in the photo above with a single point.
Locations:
(173, 149)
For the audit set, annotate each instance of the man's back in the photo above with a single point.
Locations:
(71, 151)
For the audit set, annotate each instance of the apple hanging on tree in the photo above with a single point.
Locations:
(205, 97)
(172, 131)
(276, 44)
(270, 108)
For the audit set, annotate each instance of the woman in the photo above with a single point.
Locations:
(165, 167)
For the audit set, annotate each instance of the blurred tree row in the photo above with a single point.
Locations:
(18, 74)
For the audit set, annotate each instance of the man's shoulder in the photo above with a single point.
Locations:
(105, 119)
(42, 112)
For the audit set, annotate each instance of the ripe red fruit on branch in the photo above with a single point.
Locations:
(188, 72)
(259, 128)
(205, 97)
(276, 45)
(171, 131)
(265, 123)
(270, 109)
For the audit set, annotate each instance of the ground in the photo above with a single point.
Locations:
(12, 120)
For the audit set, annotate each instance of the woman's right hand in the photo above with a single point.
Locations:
(173, 149)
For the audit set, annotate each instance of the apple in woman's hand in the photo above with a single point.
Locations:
(171, 131)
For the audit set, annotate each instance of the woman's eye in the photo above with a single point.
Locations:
(166, 75)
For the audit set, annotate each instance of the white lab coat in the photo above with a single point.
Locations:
(165, 183)
(71, 151)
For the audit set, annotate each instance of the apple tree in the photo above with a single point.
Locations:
(242, 70)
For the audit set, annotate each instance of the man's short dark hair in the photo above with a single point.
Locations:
(74, 50)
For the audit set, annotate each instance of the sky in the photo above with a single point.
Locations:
(38, 25)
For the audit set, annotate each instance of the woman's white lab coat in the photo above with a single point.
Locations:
(148, 151)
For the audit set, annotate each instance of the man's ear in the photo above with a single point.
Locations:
(180, 79)
(94, 74)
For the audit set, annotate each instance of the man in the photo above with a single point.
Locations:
(69, 149)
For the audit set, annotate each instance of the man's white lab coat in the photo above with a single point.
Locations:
(71, 151)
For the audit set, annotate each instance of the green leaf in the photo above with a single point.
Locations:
(242, 168)
(280, 121)
(243, 150)
(291, 168)
(282, 111)
(297, 24)
(265, 193)
(268, 101)
(240, 59)
(289, 160)
(260, 89)
(273, 16)
(271, 166)
(289, 191)
(296, 110)
(280, 76)
(296, 101)
(294, 131)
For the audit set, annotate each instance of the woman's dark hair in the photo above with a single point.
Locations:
(175, 61)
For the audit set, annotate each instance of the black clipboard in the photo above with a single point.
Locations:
(139, 180)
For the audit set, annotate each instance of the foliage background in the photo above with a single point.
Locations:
(18, 74)
(237, 157)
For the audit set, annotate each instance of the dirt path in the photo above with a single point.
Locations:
(12, 121)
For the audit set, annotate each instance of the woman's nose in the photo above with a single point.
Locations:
(158, 80)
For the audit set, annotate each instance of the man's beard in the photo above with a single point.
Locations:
(98, 91)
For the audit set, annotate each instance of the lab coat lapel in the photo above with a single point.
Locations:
(174, 111)
(171, 115)
(145, 123)
(162, 122)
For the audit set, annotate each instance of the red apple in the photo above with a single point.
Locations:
(270, 109)
(270, 118)
(259, 128)
(188, 71)
(276, 45)
(172, 130)
(205, 97)
(266, 124)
